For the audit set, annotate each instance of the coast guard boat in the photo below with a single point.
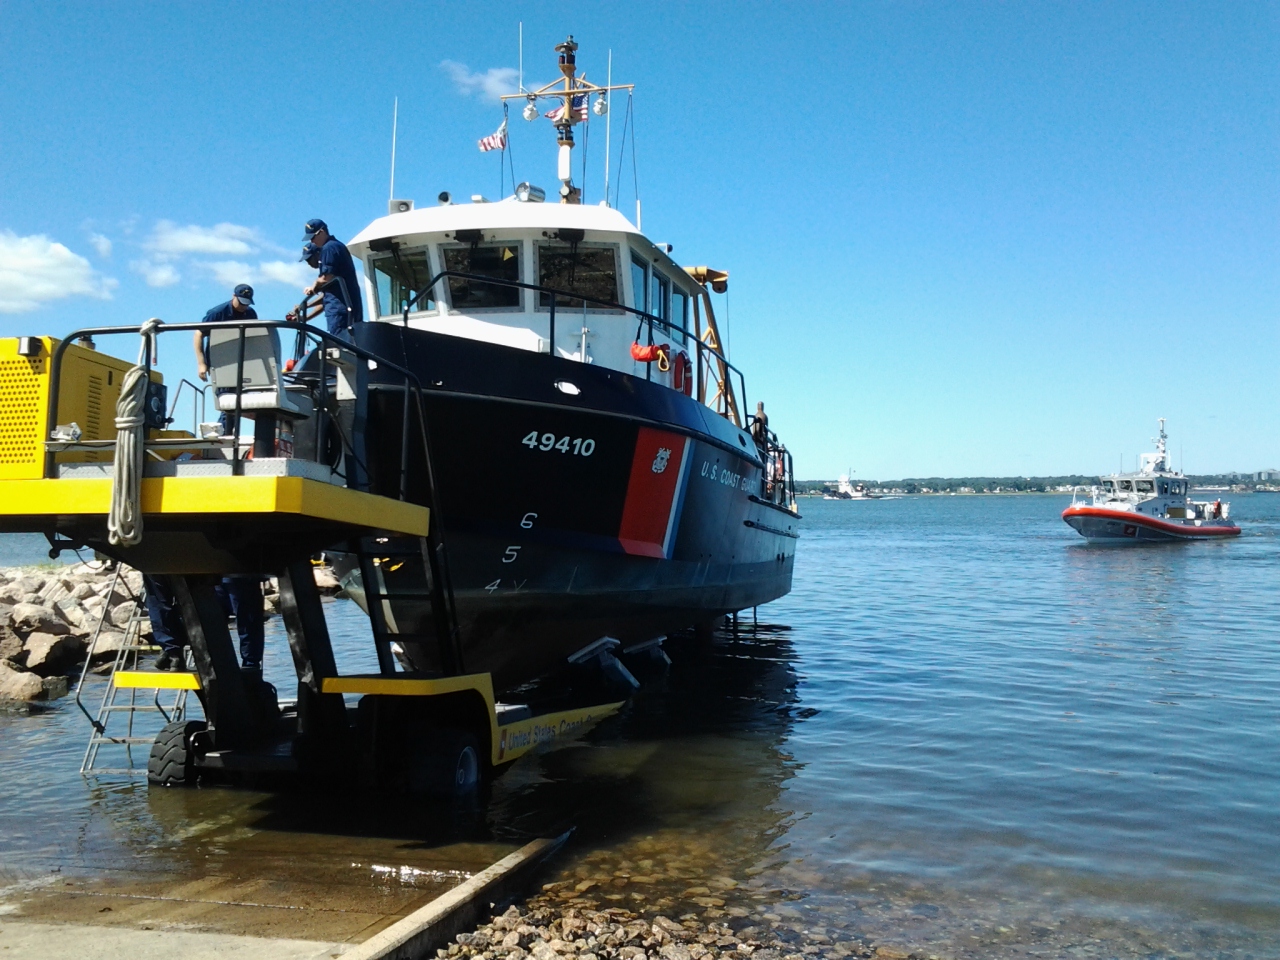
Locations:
(595, 472)
(845, 490)
(1150, 505)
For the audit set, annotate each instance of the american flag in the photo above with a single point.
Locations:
(579, 107)
(496, 140)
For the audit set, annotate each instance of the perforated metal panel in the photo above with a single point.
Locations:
(23, 411)
(93, 417)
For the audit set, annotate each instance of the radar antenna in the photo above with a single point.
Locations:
(570, 88)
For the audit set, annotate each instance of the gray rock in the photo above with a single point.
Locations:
(109, 644)
(675, 951)
(11, 593)
(121, 614)
(54, 590)
(326, 580)
(11, 647)
(48, 654)
(55, 687)
(18, 684)
(83, 591)
(70, 610)
(31, 617)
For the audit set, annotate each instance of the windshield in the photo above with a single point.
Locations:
(398, 281)
(1146, 486)
(498, 260)
(578, 268)
(1126, 485)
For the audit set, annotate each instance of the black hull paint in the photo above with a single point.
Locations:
(643, 517)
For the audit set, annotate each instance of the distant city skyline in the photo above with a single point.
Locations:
(963, 240)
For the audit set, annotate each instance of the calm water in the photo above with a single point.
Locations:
(979, 736)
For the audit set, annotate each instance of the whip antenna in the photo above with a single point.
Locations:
(395, 116)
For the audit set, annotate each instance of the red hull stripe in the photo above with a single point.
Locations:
(657, 472)
(1177, 529)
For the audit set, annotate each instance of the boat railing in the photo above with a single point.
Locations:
(318, 377)
(724, 402)
(778, 476)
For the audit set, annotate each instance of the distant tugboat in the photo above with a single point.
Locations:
(1150, 505)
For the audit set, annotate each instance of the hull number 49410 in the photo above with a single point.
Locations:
(549, 441)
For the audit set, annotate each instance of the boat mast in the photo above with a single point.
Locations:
(567, 89)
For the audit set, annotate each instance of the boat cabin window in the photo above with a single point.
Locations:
(1175, 488)
(498, 260)
(640, 283)
(1145, 486)
(659, 295)
(398, 281)
(587, 269)
(680, 312)
(1126, 485)
(1163, 488)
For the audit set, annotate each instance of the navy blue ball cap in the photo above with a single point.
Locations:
(309, 251)
(312, 227)
(244, 293)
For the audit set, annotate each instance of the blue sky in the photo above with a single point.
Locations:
(968, 238)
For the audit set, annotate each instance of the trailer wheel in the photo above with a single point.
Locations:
(448, 767)
(172, 764)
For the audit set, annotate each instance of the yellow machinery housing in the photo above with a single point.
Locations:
(90, 388)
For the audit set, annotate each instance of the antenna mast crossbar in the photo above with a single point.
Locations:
(569, 86)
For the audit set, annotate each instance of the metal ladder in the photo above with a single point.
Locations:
(111, 705)
(379, 555)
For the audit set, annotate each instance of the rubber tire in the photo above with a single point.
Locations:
(449, 767)
(172, 763)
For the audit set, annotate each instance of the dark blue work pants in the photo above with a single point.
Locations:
(242, 598)
(166, 620)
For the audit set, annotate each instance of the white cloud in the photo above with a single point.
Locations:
(169, 241)
(290, 274)
(156, 274)
(230, 272)
(35, 270)
(100, 244)
(489, 85)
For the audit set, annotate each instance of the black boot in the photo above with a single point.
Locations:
(164, 661)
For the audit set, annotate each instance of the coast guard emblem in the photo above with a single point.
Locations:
(660, 461)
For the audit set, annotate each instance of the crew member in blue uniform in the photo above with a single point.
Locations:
(243, 595)
(338, 279)
(239, 307)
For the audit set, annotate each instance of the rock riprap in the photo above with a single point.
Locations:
(49, 614)
(47, 617)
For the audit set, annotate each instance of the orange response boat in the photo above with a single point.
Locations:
(1150, 505)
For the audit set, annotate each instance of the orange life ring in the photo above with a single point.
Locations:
(682, 378)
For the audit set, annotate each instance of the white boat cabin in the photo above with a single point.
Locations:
(1156, 491)
(590, 250)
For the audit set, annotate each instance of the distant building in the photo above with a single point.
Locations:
(1272, 474)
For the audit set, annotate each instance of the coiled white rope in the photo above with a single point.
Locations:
(124, 523)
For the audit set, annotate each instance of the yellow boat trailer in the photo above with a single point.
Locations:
(87, 459)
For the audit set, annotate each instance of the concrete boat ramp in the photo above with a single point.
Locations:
(263, 917)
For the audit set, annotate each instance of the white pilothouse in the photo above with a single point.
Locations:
(1152, 504)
